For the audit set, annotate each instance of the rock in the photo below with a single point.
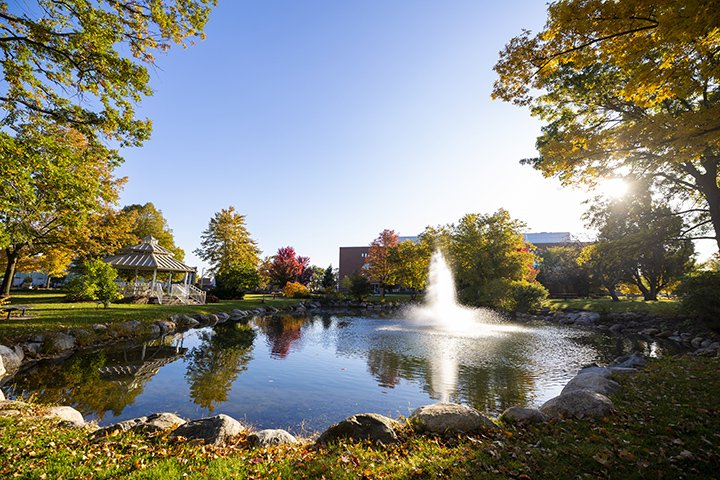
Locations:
(66, 414)
(592, 382)
(664, 334)
(10, 361)
(186, 321)
(212, 430)
(587, 318)
(265, 438)
(443, 418)
(32, 349)
(622, 370)
(634, 360)
(2, 396)
(166, 326)
(131, 327)
(706, 343)
(578, 404)
(99, 328)
(154, 330)
(122, 427)
(61, 342)
(523, 415)
(595, 370)
(365, 426)
(160, 421)
(616, 328)
(697, 342)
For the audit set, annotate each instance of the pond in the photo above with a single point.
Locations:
(305, 373)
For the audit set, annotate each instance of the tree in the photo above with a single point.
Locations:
(287, 267)
(411, 261)
(149, 221)
(329, 279)
(380, 268)
(96, 282)
(605, 266)
(626, 87)
(227, 244)
(644, 240)
(357, 285)
(488, 254)
(235, 281)
(561, 273)
(54, 180)
(81, 64)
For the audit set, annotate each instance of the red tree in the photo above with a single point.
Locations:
(380, 266)
(286, 266)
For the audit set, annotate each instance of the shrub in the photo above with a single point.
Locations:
(96, 282)
(527, 296)
(700, 295)
(295, 290)
(358, 286)
(234, 282)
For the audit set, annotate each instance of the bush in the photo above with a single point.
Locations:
(295, 290)
(527, 296)
(96, 282)
(358, 286)
(700, 295)
(234, 282)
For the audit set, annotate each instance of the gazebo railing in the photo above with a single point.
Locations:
(177, 292)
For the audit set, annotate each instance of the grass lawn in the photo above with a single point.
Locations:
(667, 426)
(51, 314)
(663, 307)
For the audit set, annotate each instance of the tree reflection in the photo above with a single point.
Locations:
(281, 333)
(98, 382)
(214, 365)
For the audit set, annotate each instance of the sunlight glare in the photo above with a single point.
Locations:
(613, 187)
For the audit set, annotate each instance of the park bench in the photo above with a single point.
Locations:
(16, 308)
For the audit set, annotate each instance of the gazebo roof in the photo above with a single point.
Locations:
(147, 255)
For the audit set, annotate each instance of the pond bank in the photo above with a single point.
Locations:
(666, 423)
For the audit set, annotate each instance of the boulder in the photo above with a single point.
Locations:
(154, 423)
(594, 369)
(634, 360)
(186, 321)
(443, 418)
(100, 328)
(10, 360)
(592, 382)
(66, 414)
(578, 404)
(265, 438)
(31, 349)
(523, 415)
(212, 430)
(587, 318)
(166, 326)
(365, 426)
(61, 342)
(131, 327)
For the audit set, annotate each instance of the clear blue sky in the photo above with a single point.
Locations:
(325, 122)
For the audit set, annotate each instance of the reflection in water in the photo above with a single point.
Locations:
(281, 332)
(312, 372)
(215, 364)
(100, 382)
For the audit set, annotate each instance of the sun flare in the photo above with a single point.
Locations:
(613, 187)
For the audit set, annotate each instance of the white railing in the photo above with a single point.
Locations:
(178, 292)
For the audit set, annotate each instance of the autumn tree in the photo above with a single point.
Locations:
(286, 266)
(227, 244)
(83, 64)
(380, 267)
(54, 180)
(490, 259)
(411, 261)
(149, 221)
(628, 87)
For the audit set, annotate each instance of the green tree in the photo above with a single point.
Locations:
(488, 254)
(235, 281)
(626, 87)
(329, 279)
(226, 243)
(411, 261)
(149, 221)
(646, 240)
(605, 265)
(561, 273)
(54, 180)
(95, 282)
(380, 267)
(358, 286)
(82, 64)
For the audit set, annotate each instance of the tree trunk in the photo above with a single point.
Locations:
(13, 255)
(612, 292)
(708, 185)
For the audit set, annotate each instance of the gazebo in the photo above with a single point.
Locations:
(148, 256)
